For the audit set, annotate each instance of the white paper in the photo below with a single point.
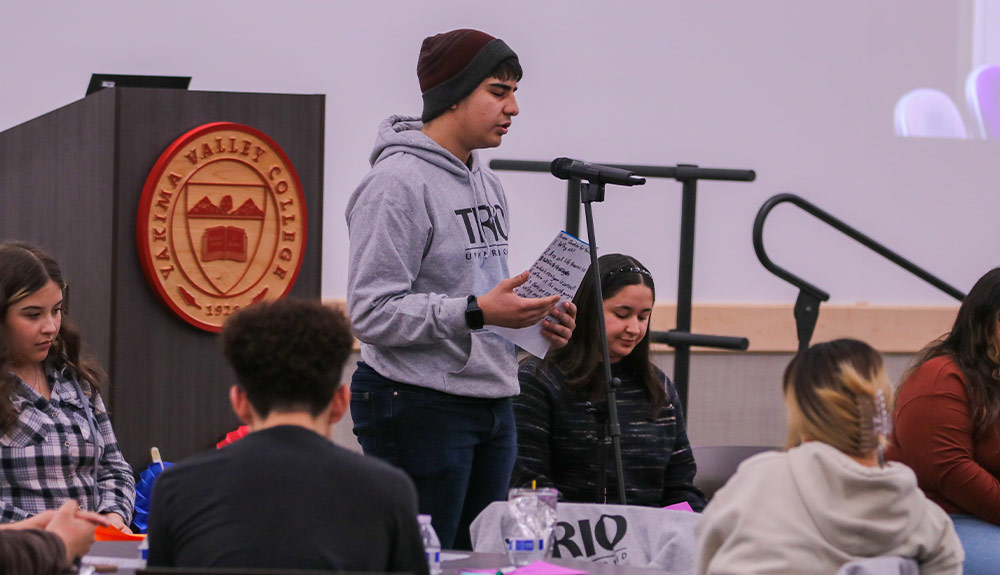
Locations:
(452, 556)
(121, 562)
(558, 271)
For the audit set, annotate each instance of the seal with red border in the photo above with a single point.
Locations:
(222, 223)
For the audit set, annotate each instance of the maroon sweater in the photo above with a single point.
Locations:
(933, 435)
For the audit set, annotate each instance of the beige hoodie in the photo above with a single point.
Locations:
(812, 509)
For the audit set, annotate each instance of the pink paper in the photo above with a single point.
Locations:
(543, 568)
(682, 506)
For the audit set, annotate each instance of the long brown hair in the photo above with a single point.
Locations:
(972, 344)
(25, 269)
(831, 395)
(580, 359)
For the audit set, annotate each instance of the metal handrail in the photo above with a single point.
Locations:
(810, 296)
(680, 338)
(681, 172)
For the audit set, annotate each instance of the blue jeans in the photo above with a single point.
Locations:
(459, 451)
(981, 541)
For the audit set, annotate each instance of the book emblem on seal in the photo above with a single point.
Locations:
(222, 223)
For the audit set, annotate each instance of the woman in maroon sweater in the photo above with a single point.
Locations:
(947, 424)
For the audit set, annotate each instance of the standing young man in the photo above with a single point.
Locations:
(428, 269)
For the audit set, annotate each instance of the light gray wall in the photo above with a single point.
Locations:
(803, 92)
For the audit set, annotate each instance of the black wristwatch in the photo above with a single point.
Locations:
(473, 315)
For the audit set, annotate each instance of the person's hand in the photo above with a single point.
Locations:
(95, 518)
(77, 534)
(502, 307)
(116, 521)
(558, 334)
(34, 522)
(41, 521)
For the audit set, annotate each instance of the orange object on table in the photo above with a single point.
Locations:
(111, 534)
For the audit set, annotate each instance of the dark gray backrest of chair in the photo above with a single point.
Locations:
(717, 463)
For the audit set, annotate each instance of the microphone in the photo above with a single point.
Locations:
(570, 169)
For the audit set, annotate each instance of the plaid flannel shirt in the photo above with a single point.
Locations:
(48, 456)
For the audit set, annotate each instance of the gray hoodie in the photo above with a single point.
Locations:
(813, 509)
(426, 232)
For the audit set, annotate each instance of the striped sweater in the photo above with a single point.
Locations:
(557, 440)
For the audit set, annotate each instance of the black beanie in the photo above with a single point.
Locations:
(452, 64)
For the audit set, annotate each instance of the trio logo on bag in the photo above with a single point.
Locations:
(595, 541)
(222, 223)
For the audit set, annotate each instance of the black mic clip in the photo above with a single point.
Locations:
(570, 169)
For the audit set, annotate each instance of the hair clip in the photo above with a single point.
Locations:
(882, 425)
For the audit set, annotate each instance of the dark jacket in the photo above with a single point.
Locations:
(557, 441)
(32, 552)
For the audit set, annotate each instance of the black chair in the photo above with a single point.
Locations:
(717, 463)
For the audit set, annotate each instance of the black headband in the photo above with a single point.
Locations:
(630, 270)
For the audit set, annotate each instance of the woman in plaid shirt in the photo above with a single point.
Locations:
(56, 441)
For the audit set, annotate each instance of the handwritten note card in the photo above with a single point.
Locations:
(559, 270)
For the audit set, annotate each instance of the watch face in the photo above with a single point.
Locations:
(473, 315)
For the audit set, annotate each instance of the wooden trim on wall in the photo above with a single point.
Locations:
(771, 327)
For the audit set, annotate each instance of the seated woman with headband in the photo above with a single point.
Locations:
(557, 431)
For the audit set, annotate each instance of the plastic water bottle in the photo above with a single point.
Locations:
(432, 545)
(144, 550)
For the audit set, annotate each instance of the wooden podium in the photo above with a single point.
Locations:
(71, 181)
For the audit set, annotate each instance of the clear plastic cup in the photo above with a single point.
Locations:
(528, 528)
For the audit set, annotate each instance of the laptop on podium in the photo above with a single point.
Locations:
(101, 81)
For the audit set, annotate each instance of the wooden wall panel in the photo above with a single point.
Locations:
(771, 327)
(171, 380)
(57, 191)
(71, 181)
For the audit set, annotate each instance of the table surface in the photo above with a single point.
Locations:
(123, 554)
(497, 561)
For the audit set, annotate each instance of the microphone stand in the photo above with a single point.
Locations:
(594, 192)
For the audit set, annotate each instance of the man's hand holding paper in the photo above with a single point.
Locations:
(504, 307)
(554, 277)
